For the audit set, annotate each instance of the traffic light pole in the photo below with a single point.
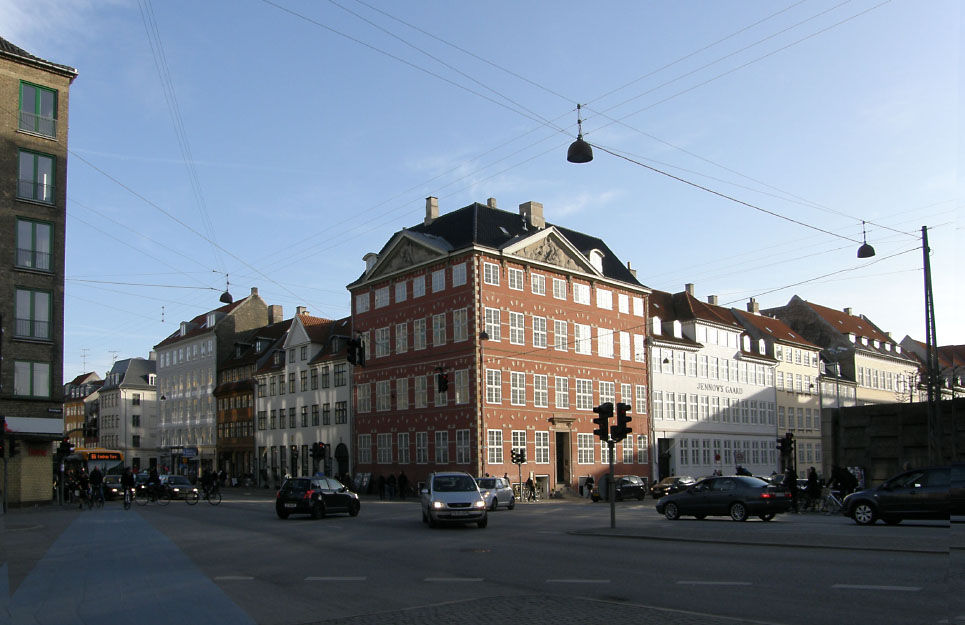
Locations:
(611, 491)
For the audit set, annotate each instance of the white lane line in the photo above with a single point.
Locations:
(870, 587)
(233, 578)
(712, 583)
(453, 579)
(335, 579)
(577, 581)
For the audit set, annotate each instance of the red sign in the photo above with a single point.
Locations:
(37, 452)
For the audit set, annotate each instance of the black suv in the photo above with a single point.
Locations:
(624, 487)
(670, 485)
(316, 496)
(916, 494)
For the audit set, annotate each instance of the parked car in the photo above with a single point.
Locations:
(179, 486)
(316, 496)
(737, 496)
(452, 497)
(497, 492)
(112, 487)
(670, 485)
(916, 494)
(624, 487)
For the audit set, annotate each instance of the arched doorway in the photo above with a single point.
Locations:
(341, 459)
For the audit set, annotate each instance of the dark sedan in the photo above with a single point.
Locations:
(736, 496)
(670, 485)
(918, 494)
(624, 487)
(316, 496)
(112, 487)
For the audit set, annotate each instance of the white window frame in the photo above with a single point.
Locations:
(459, 274)
(540, 390)
(559, 288)
(438, 280)
(494, 386)
(517, 328)
(562, 392)
(492, 323)
(494, 446)
(442, 446)
(517, 388)
(537, 283)
(514, 278)
(491, 274)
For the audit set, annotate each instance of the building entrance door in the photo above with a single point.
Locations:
(563, 462)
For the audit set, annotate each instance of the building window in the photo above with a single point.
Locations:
(494, 440)
(365, 449)
(421, 396)
(31, 379)
(33, 314)
(581, 293)
(494, 386)
(33, 244)
(303, 376)
(38, 110)
(382, 297)
(540, 391)
(339, 374)
(383, 395)
(262, 418)
(326, 414)
(604, 340)
(314, 379)
(438, 280)
(514, 278)
(517, 386)
(562, 392)
(400, 291)
(402, 393)
(418, 333)
(135, 420)
(462, 447)
(539, 331)
(517, 328)
(304, 413)
(291, 380)
(439, 329)
(604, 299)
(36, 177)
(418, 286)
(492, 323)
(559, 288)
(541, 443)
(491, 274)
(459, 274)
(441, 398)
(341, 412)
(442, 447)
(291, 417)
(402, 443)
(538, 284)
(607, 392)
(584, 448)
(421, 447)
(401, 338)
(460, 325)
(304, 352)
(584, 394)
(559, 335)
(382, 342)
(462, 386)
(582, 340)
(325, 377)
(384, 445)
(314, 414)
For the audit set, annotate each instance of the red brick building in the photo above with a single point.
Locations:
(530, 325)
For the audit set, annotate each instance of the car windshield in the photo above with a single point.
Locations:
(297, 485)
(453, 483)
(178, 480)
(112, 479)
(487, 482)
(753, 482)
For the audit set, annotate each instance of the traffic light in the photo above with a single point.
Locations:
(314, 451)
(522, 456)
(621, 429)
(65, 448)
(351, 352)
(602, 421)
(442, 381)
(360, 351)
(782, 445)
(514, 457)
(14, 447)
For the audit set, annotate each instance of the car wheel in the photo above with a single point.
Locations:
(495, 503)
(766, 517)
(353, 508)
(738, 511)
(482, 523)
(318, 510)
(671, 511)
(892, 521)
(700, 517)
(640, 497)
(864, 514)
(282, 514)
(512, 502)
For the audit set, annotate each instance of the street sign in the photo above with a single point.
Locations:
(738, 457)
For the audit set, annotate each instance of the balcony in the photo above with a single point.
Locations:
(32, 329)
(38, 124)
(33, 259)
(37, 191)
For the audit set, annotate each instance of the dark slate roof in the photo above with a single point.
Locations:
(133, 373)
(270, 333)
(198, 325)
(685, 307)
(9, 49)
(479, 224)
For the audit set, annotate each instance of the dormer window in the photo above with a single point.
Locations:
(677, 329)
(852, 337)
(760, 346)
(152, 379)
(184, 328)
(259, 345)
(596, 259)
(656, 326)
(898, 349)
(864, 341)
(877, 344)
(887, 347)
(212, 319)
(747, 343)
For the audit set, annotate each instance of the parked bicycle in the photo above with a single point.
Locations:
(150, 494)
(831, 504)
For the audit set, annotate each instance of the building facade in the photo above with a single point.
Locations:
(714, 403)
(81, 407)
(33, 195)
(187, 363)
(304, 397)
(492, 332)
(128, 420)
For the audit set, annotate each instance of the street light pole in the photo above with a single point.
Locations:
(931, 360)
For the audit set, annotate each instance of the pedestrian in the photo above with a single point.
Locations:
(403, 484)
(843, 479)
(813, 488)
(588, 486)
(380, 483)
(531, 489)
(83, 486)
(790, 481)
(390, 485)
(222, 478)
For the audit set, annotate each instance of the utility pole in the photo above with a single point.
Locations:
(931, 360)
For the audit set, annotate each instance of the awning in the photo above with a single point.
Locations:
(35, 427)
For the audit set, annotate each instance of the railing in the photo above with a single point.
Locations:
(33, 259)
(33, 328)
(39, 191)
(31, 122)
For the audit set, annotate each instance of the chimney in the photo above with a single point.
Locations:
(275, 313)
(712, 300)
(301, 310)
(689, 287)
(633, 272)
(432, 210)
(532, 212)
(491, 202)
(753, 307)
(254, 290)
(152, 355)
(847, 311)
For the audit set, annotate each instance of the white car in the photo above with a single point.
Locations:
(497, 492)
(452, 497)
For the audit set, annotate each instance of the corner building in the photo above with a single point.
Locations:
(488, 331)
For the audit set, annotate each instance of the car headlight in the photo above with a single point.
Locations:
(479, 503)
(438, 505)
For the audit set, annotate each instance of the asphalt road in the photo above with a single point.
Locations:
(552, 562)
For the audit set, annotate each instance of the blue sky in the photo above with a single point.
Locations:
(311, 131)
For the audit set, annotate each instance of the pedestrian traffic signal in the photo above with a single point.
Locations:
(602, 421)
(621, 430)
(442, 381)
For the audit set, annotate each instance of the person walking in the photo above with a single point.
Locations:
(380, 483)
(403, 484)
(588, 486)
(530, 489)
(812, 491)
(390, 485)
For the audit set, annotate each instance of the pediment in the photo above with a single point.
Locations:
(297, 334)
(406, 252)
(551, 248)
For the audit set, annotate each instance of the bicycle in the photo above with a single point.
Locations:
(831, 504)
(128, 498)
(97, 496)
(213, 495)
(150, 494)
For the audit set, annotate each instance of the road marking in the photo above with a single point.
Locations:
(233, 578)
(869, 587)
(712, 583)
(453, 579)
(335, 579)
(577, 581)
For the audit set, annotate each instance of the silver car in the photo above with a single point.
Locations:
(452, 497)
(497, 492)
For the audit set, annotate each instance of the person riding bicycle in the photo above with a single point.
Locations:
(97, 484)
(208, 482)
(83, 486)
(843, 479)
(127, 481)
(153, 482)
